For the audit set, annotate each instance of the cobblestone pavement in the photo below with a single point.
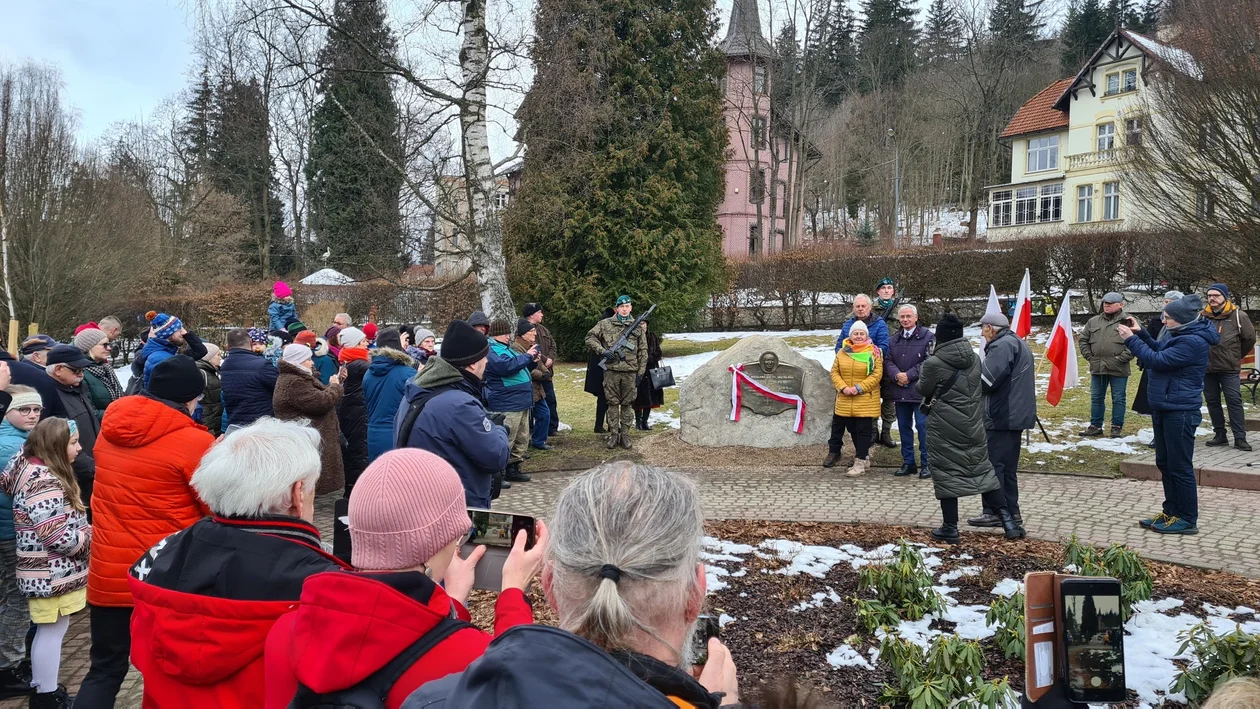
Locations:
(1097, 510)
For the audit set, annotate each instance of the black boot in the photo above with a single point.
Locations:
(885, 436)
(514, 474)
(906, 469)
(947, 533)
(13, 684)
(988, 519)
(1219, 439)
(1009, 526)
(52, 700)
(832, 459)
(925, 472)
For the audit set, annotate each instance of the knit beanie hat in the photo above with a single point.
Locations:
(164, 325)
(462, 345)
(859, 326)
(177, 379)
(530, 309)
(86, 326)
(350, 336)
(1186, 310)
(1174, 295)
(87, 339)
(421, 335)
(281, 290)
(523, 326)
(1224, 289)
(25, 398)
(389, 337)
(478, 319)
(211, 350)
(258, 336)
(499, 326)
(369, 330)
(950, 328)
(296, 354)
(405, 507)
(305, 337)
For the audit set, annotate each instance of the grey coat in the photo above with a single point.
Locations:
(958, 454)
(1102, 346)
(1010, 388)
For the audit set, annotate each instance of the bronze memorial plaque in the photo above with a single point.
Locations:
(777, 377)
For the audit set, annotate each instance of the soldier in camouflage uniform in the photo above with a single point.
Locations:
(621, 380)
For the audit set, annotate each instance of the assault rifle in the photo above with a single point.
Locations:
(617, 351)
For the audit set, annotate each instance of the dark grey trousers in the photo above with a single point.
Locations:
(1227, 383)
(1004, 449)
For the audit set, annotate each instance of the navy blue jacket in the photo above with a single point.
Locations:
(532, 666)
(906, 354)
(383, 386)
(34, 376)
(454, 426)
(1175, 365)
(1009, 383)
(875, 325)
(508, 384)
(249, 381)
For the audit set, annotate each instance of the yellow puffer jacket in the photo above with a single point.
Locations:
(847, 371)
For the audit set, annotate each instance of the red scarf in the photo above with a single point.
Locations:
(351, 354)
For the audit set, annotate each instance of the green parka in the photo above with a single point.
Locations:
(957, 449)
(1103, 347)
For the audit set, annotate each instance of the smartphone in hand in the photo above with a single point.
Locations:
(497, 532)
(707, 626)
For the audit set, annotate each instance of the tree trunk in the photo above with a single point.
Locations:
(487, 236)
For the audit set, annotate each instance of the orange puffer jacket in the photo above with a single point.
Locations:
(145, 456)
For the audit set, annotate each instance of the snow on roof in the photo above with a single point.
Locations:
(1175, 57)
(327, 277)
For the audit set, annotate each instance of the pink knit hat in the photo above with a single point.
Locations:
(281, 289)
(404, 508)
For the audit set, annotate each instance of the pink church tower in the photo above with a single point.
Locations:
(760, 212)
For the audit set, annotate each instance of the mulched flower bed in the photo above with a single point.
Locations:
(770, 641)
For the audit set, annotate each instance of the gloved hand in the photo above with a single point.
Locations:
(638, 379)
(499, 420)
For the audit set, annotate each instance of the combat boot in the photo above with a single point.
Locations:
(613, 438)
(625, 438)
(885, 437)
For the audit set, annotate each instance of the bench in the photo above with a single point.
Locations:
(1250, 377)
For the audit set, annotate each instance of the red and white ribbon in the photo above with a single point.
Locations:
(739, 375)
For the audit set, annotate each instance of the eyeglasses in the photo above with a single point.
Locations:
(28, 410)
(73, 370)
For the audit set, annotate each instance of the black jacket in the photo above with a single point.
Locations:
(534, 666)
(78, 406)
(248, 381)
(352, 415)
(34, 376)
(212, 402)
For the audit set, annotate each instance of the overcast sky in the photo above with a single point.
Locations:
(120, 58)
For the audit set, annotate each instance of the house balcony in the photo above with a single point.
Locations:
(1100, 158)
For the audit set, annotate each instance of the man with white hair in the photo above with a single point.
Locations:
(207, 596)
(907, 351)
(878, 329)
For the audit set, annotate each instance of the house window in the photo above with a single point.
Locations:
(1085, 203)
(501, 200)
(1026, 205)
(759, 78)
(1121, 81)
(1111, 201)
(754, 239)
(1001, 210)
(1106, 136)
(1050, 208)
(1113, 85)
(1043, 154)
(1130, 79)
(758, 133)
(757, 186)
(781, 196)
(1133, 131)
(1204, 206)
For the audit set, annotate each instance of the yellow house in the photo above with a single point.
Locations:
(1070, 142)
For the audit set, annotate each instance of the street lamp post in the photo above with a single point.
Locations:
(892, 137)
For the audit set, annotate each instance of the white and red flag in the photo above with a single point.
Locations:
(1021, 322)
(1062, 355)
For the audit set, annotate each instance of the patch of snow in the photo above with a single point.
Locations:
(959, 573)
(818, 600)
(711, 576)
(327, 277)
(1177, 58)
(1225, 612)
(123, 374)
(724, 619)
(564, 427)
(1007, 588)
(685, 365)
(665, 417)
(846, 656)
(818, 560)
(739, 334)
(963, 557)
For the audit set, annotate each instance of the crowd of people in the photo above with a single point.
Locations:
(179, 509)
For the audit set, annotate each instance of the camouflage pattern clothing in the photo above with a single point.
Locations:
(620, 385)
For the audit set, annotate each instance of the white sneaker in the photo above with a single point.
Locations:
(866, 464)
(858, 469)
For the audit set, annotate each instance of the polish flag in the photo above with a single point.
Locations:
(1022, 322)
(1062, 355)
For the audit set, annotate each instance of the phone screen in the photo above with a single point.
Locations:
(499, 529)
(1093, 636)
(706, 627)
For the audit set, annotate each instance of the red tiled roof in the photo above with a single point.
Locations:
(1038, 113)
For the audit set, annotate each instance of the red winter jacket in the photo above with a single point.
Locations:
(350, 625)
(205, 600)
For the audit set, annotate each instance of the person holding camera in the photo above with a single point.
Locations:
(406, 609)
(623, 573)
(442, 412)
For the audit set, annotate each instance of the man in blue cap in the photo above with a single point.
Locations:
(621, 380)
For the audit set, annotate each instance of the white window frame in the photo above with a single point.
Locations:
(1111, 201)
(1084, 204)
(501, 200)
(1025, 205)
(1128, 80)
(1204, 206)
(1106, 133)
(1043, 154)
(760, 78)
(1001, 208)
(1050, 203)
(1113, 84)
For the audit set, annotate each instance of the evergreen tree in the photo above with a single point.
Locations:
(194, 134)
(942, 31)
(624, 173)
(786, 67)
(352, 187)
(1016, 22)
(1085, 30)
(832, 53)
(1150, 16)
(1120, 13)
(887, 42)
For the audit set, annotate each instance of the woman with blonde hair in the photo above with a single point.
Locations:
(54, 539)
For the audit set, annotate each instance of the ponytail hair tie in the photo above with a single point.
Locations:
(608, 571)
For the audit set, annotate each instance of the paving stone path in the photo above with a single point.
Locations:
(1097, 510)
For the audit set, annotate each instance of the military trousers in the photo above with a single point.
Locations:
(620, 391)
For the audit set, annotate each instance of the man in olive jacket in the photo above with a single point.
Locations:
(1238, 337)
(1109, 361)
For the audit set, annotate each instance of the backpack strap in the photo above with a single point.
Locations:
(385, 678)
(413, 413)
